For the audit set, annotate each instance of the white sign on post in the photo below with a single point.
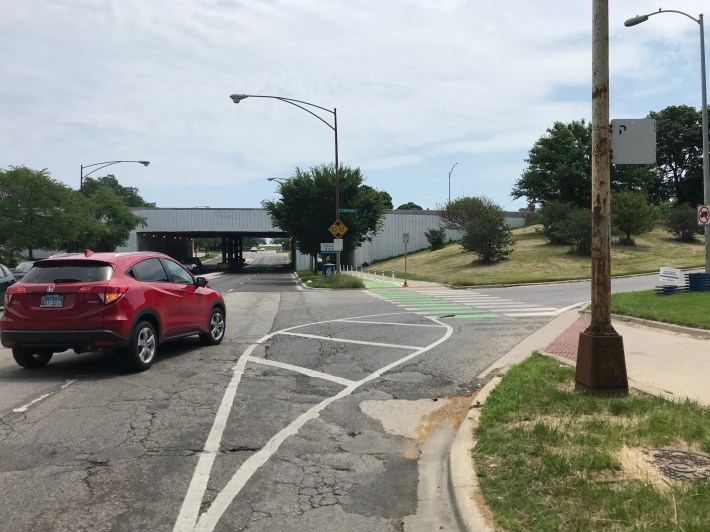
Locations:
(338, 243)
(633, 141)
(703, 214)
(671, 276)
(405, 238)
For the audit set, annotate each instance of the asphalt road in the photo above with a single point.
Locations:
(321, 411)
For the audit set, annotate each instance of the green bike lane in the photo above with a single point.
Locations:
(424, 304)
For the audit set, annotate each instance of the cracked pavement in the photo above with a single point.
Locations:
(117, 451)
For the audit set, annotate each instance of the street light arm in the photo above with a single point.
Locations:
(104, 164)
(236, 98)
(643, 18)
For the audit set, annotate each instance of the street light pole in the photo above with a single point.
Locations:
(704, 112)
(104, 165)
(236, 98)
(601, 368)
(452, 169)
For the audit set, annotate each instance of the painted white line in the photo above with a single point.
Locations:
(300, 369)
(531, 314)
(210, 519)
(346, 341)
(231, 289)
(68, 383)
(347, 320)
(516, 307)
(24, 408)
(570, 307)
(189, 511)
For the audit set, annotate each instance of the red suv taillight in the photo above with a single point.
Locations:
(11, 293)
(107, 294)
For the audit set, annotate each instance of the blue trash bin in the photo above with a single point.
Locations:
(328, 269)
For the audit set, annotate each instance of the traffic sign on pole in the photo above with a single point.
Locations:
(338, 229)
(703, 214)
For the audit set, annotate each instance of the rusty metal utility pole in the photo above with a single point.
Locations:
(601, 367)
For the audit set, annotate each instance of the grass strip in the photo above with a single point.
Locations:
(337, 280)
(689, 309)
(551, 459)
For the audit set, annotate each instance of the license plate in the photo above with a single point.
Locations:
(52, 301)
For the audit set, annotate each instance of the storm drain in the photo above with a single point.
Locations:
(684, 466)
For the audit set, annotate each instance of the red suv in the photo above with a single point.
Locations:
(126, 302)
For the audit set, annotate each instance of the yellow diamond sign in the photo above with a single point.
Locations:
(338, 229)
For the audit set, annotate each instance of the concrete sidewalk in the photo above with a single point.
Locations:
(669, 361)
(672, 363)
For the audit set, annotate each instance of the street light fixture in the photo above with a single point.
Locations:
(236, 98)
(706, 155)
(104, 165)
(452, 169)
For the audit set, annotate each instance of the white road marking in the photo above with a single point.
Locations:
(68, 383)
(525, 314)
(348, 320)
(304, 371)
(346, 341)
(189, 511)
(24, 408)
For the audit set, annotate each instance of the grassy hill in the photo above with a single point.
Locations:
(536, 260)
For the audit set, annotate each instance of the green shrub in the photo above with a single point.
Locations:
(553, 217)
(577, 231)
(632, 214)
(682, 221)
(436, 238)
(488, 235)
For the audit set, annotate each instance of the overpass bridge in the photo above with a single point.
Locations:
(172, 231)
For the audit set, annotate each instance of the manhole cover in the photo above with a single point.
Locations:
(680, 465)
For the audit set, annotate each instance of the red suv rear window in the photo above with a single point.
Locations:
(77, 271)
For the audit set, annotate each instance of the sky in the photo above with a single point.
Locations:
(434, 98)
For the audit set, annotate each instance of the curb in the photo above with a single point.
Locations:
(464, 489)
(463, 482)
(690, 331)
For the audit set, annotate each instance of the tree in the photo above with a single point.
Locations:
(682, 221)
(32, 210)
(129, 195)
(410, 206)
(488, 235)
(436, 238)
(106, 224)
(559, 169)
(679, 154)
(307, 207)
(456, 214)
(559, 166)
(632, 214)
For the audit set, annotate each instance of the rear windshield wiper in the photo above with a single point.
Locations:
(68, 280)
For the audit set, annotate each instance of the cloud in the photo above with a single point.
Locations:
(415, 84)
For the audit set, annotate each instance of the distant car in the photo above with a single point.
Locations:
(118, 302)
(7, 279)
(193, 264)
(21, 269)
(253, 250)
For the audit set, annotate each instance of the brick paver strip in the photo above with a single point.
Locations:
(566, 344)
